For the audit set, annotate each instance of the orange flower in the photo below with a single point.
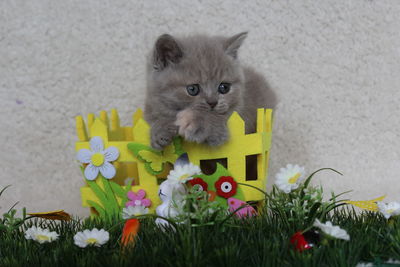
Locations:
(130, 231)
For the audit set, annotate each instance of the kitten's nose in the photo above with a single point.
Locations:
(212, 103)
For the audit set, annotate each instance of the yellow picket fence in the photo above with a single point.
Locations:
(235, 153)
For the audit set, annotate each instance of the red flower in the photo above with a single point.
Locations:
(203, 186)
(226, 186)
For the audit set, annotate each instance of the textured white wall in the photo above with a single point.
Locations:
(334, 64)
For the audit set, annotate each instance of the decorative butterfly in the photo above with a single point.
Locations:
(366, 204)
(155, 160)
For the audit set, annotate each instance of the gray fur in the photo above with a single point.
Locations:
(207, 61)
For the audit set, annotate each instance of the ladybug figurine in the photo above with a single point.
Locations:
(304, 241)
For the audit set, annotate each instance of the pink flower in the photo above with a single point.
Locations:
(137, 199)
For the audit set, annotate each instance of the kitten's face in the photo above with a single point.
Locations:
(201, 73)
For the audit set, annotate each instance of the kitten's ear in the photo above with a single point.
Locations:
(232, 44)
(166, 51)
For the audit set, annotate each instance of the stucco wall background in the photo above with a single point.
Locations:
(334, 64)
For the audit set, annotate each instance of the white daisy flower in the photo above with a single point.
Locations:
(289, 178)
(98, 159)
(130, 211)
(92, 237)
(332, 230)
(40, 235)
(389, 209)
(183, 173)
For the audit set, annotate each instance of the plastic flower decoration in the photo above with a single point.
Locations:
(226, 186)
(202, 185)
(289, 178)
(332, 230)
(389, 209)
(40, 235)
(98, 159)
(137, 199)
(92, 237)
(130, 211)
(183, 173)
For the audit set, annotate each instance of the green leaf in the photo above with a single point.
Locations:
(308, 180)
(177, 141)
(4, 189)
(12, 207)
(232, 214)
(98, 191)
(111, 197)
(315, 208)
(100, 195)
(258, 189)
(338, 195)
(98, 208)
(121, 192)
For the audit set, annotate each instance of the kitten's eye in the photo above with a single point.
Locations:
(224, 88)
(193, 89)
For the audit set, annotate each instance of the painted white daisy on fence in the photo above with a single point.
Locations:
(389, 209)
(130, 211)
(98, 159)
(92, 237)
(40, 235)
(332, 230)
(289, 178)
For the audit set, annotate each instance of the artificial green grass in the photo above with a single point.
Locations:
(259, 241)
(215, 238)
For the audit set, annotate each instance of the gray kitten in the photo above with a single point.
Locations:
(193, 86)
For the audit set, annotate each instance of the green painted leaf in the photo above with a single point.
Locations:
(110, 196)
(177, 141)
(121, 192)
(100, 195)
(98, 208)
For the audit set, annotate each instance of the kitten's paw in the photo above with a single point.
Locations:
(190, 127)
(162, 136)
(217, 139)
